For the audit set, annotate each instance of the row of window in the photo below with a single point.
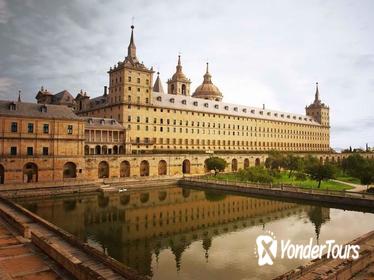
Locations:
(29, 151)
(226, 142)
(233, 126)
(129, 79)
(244, 110)
(30, 128)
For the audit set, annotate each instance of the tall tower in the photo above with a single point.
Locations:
(179, 84)
(319, 111)
(130, 81)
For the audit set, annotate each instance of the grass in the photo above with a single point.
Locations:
(348, 179)
(283, 179)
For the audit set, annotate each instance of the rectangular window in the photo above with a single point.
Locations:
(45, 128)
(70, 129)
(30, 151)
(45, 151)
(13, 151)
(14, 127)
(30, 128)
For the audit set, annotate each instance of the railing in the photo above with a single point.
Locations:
(282, 187)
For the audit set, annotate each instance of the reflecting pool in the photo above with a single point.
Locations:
(174, 233)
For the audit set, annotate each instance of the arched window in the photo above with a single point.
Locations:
(30, 172)
(125, 169)
(234, 165)
(103, 170)
(144, 168)
(184, 91)
(186, 167)
(2, 174)
(70, 170)
(162, 167)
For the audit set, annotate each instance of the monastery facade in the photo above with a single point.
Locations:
(137, 129)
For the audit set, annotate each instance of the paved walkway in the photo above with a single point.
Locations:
(356, 187)
(19, 259)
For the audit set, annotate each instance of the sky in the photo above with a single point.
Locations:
(260, 52)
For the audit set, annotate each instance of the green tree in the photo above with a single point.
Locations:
(366, 175)
(353, 165)
(320, 172)
(256, 174)
(274, 160)
(216, 163)
(292, 163)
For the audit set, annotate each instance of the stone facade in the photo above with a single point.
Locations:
(178, 121)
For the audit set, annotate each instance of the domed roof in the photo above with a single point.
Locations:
(207, 90)
(179, 75)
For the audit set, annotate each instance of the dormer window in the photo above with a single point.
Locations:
(288, 116)
(184, 101)
(216, 106)
(282, 115)
(235, 109)
(253, 111)
(43, 109)
(159, 98)
(172, 100)
(102, 121)
(268, 113)
(261, 112)
(244, 110)
(195, 103)
(276, 114)
(12, 106)
(300, 118)
(226, 107)
(294, 117)
(206, 105)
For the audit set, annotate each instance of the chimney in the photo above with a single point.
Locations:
(105, 90)
(263, 106)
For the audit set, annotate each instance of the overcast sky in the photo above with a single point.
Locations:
(260, 52)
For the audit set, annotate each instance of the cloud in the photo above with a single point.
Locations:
(5, 14)
(259, 53)
(6, 84)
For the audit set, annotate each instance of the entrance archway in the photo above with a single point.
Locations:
(186, 167)
(70, 170)
(103, 169)
(162, 167)
(234, 165)
(144, 168)
(30, 173)
(257, 162)
(2, 174)
(246, 163)
(125, 169)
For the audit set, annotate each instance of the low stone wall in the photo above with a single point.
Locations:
(49, 238)
(335, 197)
(331, 269)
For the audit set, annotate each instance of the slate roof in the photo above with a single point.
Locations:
(101, 123)
(34, 110)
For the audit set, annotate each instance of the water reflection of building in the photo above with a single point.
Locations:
(134, 226)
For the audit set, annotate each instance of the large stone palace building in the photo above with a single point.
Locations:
(180, 121)
(136, 129)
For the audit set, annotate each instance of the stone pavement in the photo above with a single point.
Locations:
(356, 187)
(21, 260)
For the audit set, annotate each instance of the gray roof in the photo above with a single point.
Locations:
(63, 97)
(101, 123)
(34, 110)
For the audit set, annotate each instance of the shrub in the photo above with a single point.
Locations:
(300, 176)
(256, 174)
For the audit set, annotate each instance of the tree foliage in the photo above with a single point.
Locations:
(320, 172)
(216, 163)
(256, 174)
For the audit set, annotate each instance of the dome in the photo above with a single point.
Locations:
(207, 90)
(179, 75)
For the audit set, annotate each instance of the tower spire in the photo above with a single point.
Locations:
(316, 98)
(131, 50)
(179, 65)
(19, 96)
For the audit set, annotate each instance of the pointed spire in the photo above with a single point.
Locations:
(179, 65)
(316, 98)
(158, 85)
(19, 96)
(131, 50)
(207, 76)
